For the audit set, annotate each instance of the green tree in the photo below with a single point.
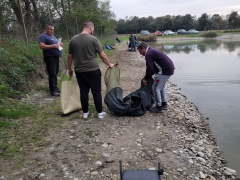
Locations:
(135, 24)
(178, 22)
(120, 26)
(187, 21)
(143, 23)
(168, 22)
(234, 19)
(66, 15)
(151, 24)
(202, 22)
(216, 21)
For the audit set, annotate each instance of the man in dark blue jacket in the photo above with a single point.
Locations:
(162, 66)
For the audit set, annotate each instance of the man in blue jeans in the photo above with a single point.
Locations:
(160, 65)
(132, 40)
(51, 53)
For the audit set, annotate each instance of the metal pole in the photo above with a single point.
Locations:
(23, 22)
(120, 168)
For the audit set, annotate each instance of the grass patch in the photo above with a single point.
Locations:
(22, 135)
(123, 37)
(14, 113)
(13, 109)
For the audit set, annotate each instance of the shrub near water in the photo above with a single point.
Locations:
(147, 38)
(209, 34)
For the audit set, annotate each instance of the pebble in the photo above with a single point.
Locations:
(105, 145)
(202, 175)
(98, 163)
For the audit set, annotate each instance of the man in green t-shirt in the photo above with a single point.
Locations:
(83, 50)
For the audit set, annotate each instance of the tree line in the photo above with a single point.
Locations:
(27, 18)
(30, 16)
(216, 22)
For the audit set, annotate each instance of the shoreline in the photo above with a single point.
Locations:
(198, 145)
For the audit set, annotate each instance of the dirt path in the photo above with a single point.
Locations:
(179, 138)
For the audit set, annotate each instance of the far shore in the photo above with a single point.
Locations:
(224, 37)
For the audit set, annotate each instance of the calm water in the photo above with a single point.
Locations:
(208, 73)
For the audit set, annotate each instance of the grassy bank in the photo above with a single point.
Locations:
(23, 124)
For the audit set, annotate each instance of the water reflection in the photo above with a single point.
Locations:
(202, 46)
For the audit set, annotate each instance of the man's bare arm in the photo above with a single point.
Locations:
(70, 71)
(105, 59)
(44, 46)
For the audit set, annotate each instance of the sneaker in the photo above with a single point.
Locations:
(164, 105)
(54, 93)
(101, 115)
(85, 115)
(156, 109)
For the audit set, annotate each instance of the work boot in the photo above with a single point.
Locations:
(164, 105)
(156, 109)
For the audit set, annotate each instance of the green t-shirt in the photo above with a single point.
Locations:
(84, 49)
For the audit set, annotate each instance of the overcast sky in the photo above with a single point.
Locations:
(158, 8)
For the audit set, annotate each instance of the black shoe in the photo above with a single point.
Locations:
(156, 109)
(54, 93)
(58, 90)
(164, 105)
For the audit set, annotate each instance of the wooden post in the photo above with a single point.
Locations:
(25, 31)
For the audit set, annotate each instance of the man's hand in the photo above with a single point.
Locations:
(70, 72)
(111, 65)
(144, 82)
(55, 46)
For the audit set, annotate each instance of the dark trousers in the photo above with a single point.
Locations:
(52, 66)
(86, 81)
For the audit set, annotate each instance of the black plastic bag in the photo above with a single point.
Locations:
(134, 104)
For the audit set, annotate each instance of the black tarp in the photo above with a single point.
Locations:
(134, 104)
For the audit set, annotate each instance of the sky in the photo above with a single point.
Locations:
(158, 8)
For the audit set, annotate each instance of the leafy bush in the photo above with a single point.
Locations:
(18, 62)
(209, 34)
